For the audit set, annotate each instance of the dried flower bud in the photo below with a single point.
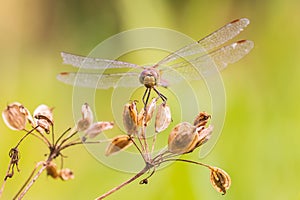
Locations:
(15, 116)
(96, 128)
(43, 117)
(130, 118)
(87, 118)
(66, 174)
(183, 138)
(219, 179)
(163, 118)
(52, 170)
(120, 142)
(201, 119)
(204, 134)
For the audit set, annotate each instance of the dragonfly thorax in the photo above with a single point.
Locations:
(149, 77)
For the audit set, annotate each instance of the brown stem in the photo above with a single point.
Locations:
(137, 147)
(143, 171)
(188, 161)
(32, 181)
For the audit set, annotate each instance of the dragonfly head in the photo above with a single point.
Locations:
(149, 77)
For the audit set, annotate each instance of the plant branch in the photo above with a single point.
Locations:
(188, 161)
(143, 171)
(32, 181)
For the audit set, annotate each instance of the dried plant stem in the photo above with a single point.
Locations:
(153, 142)
(143, 171)
(143, 135)
(62, 135)
(137, 147)
(2, 187)
(28, 186)
(28, 133)
(188, 161)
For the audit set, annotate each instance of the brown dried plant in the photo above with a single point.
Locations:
(17, 117)
(184, 138)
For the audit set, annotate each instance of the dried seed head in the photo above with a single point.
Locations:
(87, 118)
(52, 170)
(204, 134)
(183, 138)
(118, 143)
(66, 174)
(219, 179)
(96, 128)
(201, 119)
(15, 116)
(43, 117)
(163, 118)
(130, 118)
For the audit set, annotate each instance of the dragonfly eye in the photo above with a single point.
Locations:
(149, 77)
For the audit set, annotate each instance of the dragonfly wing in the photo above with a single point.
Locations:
(101, 81)
(206, 65)
(209, 43)
(94, 63)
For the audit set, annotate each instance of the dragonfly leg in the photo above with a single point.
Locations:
(146, 93)
(163, 97)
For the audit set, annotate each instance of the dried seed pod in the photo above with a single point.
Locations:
(183, 138)
(87, 112)
(130, 118)
(118, 143)
(141, 117)
(15, 116)
(52, 170)
(219, 179)
(43, 117)
(201, 119)
(150, 110)
(87, 118)
(66, 174)
(204, 134)
(96, 128)
(163, 118)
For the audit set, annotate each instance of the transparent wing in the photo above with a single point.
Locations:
(101, 81)
(94, 63)
(209, 43)
(205, 65)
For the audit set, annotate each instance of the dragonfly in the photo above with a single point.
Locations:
(198, 56)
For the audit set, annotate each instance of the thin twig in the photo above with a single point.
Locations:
(187, 161)
(67, 138)
(61, 136)
(80, 142)
(28, 133)
(136, 146)
(143, 171)
(27, 187)
(153, 143)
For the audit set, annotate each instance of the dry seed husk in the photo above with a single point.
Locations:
(118, 143)
(163, 118)
(130, 118)
(183, 138)
(220, 180)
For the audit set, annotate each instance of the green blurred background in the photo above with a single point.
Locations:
(259, 146)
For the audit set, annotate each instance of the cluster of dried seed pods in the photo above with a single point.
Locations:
(63, 174)
(86, 125)
(16, 117)
(183, 138)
